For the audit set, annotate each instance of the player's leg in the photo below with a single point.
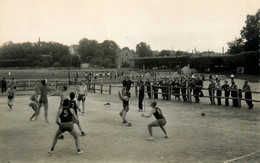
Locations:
(162, 123)
(54, 142)
(83, 104)
(79, 126)
(11, 103)
(46, 112)
(153, 124)
(75, 135)
(33, 107)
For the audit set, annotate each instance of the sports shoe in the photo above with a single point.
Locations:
(83, 133)
(149, 139)
(166, 137)
(140, 110)
(79, 151)
(51, 151)
(129, 125)
(61, 137)
(124, 122)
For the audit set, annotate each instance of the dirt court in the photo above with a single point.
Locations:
(225, 134)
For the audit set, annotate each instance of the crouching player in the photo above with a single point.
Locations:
(161, 121)
(34, 104)
(66, 115)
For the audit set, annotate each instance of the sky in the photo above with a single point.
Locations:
(162, 24)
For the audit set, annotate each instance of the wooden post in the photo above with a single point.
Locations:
(109, 89)
(24, 85)
(152, 93)
(101, 88)
(94, 88)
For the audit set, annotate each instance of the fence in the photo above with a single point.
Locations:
(99, 87)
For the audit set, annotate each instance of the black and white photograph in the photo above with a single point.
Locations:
(130, 81)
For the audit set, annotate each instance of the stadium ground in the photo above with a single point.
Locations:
(223, 135)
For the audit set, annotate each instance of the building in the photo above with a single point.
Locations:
(125, 58)
(73, 49)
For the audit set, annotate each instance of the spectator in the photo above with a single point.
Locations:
(148, 87)
(3, 85)
(226, 88)
(155, 89)
(183, 89)
(248, 95)
(211, 89)
(234, 94)
(198, 86)
(141, 95)
(219, 92)
(232, 77)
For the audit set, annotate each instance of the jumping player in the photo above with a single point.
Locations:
(161, 121)
(34, 104)
(82, 93)
(44, 89)
(125, 99)
(66, 115)
(10, 96)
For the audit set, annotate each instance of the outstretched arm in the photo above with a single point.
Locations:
(149, 115)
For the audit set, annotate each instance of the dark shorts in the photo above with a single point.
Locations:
(126, 108)
(43, 100)
(161, 122)
(81, 97)
(10, 97)
(66, 127)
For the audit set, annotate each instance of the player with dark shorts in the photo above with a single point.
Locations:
(34, 104)
(44, 89)
(161, 121)
(75, 107)
(66, 115)
(10, 96)
(125, 99)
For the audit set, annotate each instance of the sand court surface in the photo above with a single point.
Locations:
(225, 134)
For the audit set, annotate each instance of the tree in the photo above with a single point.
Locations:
(165, 53)
(143, 50)
(110, 49)
(250, 39)
(236, 46)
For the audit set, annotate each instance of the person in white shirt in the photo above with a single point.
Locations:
(82, 91)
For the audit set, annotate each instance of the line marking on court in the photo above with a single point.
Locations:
(190, 124)
(241, 157)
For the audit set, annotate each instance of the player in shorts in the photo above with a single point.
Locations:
(65, 115)
(44, 89)
(161, 121)
(34, 104)
(82, 93)
(125, 100)
(10, 96)
(74, 105)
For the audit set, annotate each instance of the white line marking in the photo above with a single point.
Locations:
(241, 157)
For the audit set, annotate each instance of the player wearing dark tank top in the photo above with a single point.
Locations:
(160, 121)
(66, 115)
(124, 97)
(75, 107)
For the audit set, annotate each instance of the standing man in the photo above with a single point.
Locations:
(183, 88)
(226, 88)
(155, 89)
(3, 85)
(44, 89)
(248, 95)
(160, 120)
(211, 89)
(82, 91)
(148, 87)
(141, 95)
(219, 92)
(234, 94)
(197, 90)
